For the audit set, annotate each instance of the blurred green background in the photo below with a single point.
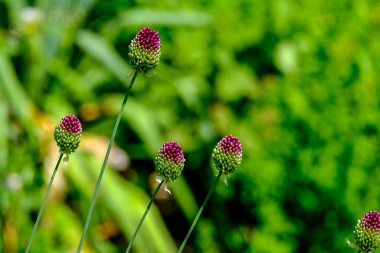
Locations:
(295, 81)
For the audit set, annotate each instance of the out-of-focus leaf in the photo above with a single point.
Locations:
(141, 119)
(80, 85)
(103, 52)
(156, 17)
(127, 203)
(15, 7)
(13, 89)
(185, 198)
(144, 123)
(4, 131)
(182, 17)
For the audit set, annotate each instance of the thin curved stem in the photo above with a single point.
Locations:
(143, 217)
(199, 213)
(105, 163)
(43, 203)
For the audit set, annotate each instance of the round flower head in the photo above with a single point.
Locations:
(227, 154)
(367, 232)
(67, 134)
(169, 161)
(144, 51)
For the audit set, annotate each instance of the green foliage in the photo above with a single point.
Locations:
(296, 82)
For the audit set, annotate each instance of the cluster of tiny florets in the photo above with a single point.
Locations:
(227, 154)
(169, 161)
(367, 232)
(148, 39)
(68, 134)
(144, 51)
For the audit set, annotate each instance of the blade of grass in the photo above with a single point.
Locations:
(126, 203)
(4, 134)
(185, 199)
(147, 17)
(11, 86)
(102, 51)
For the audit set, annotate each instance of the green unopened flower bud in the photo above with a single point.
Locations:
(367, 232)
(144, 51)
(169, 161)
(227, 154)
(68, 134)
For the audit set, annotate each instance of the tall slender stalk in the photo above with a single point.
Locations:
(105, 163)
(143, 217)
(43, 203)
(199, 212)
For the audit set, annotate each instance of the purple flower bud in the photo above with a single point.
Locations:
(169, 161)
(68, 134)
(227, 154)
(367, 232)
(144, 51)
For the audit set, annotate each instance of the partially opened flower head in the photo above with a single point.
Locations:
(367, 232)
(68, 134)
(169, 161)
(227, 154)
(144, 51)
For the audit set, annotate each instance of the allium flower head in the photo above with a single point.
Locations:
(144, 51)
(169, 161)
(227, 154)
(367, 232)
(68, 134)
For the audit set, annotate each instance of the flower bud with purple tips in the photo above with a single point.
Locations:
(68, 134)
(367, 232)
(227, 154)
(144, 51)
(169, 161)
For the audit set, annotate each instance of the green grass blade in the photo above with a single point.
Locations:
(127, 204)
(102, 51)
(11, 86)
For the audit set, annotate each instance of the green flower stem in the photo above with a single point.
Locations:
(199, 212)
(43, 203)
(104, 164)
(143, 217)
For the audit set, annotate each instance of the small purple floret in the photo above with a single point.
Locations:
(173, 152)
(148, 39)
(230, 145)
(71, 124)
(371, 220)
